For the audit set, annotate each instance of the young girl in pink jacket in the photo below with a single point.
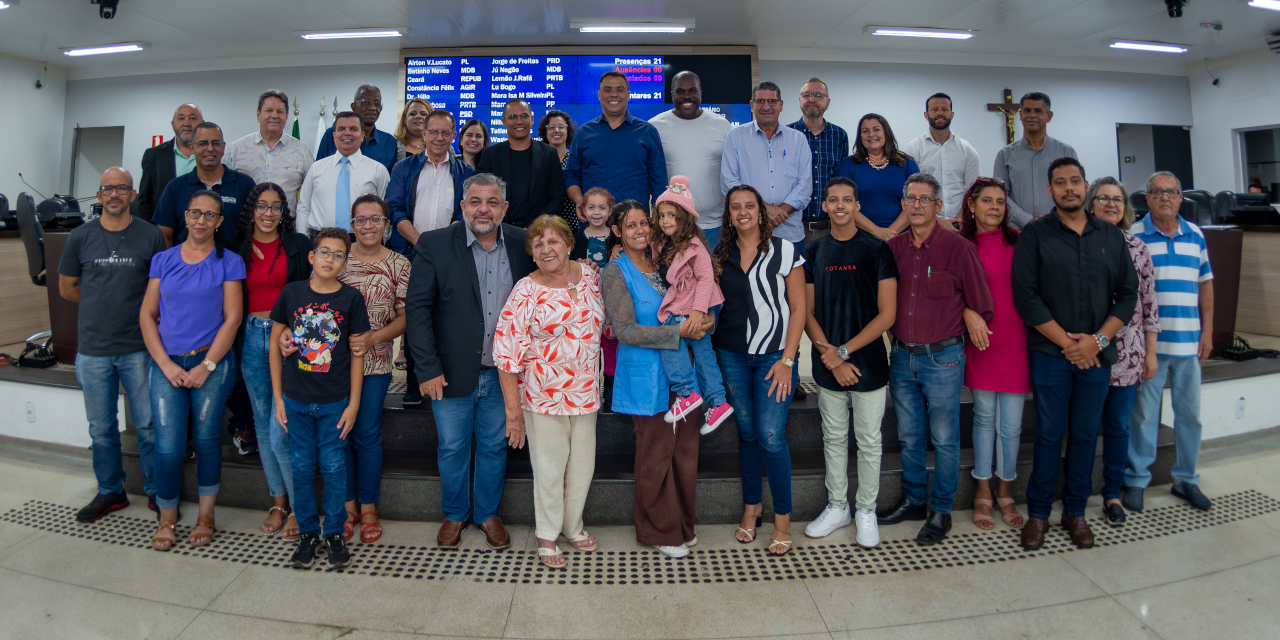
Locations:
(684, 264)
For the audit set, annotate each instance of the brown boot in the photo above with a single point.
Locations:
(1080, 532)
(450, 536)
(1033, 533)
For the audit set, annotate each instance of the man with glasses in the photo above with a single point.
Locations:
(424, 195)
(945, 156)
(333, 183)
(1023, 163)
(940, 275)
(111, 257)
(829, 145)
(615, 150)
(693, 143)
(377, 144)
(210, 173)
(531, 168)
(775, 160)
(1184, 292)
(168, 160)
(269, 155)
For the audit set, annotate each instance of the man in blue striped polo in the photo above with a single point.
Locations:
(1184, 291)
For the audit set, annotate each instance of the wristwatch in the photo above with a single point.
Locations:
(788, 362)
(842, 352)
(1102, 341)
(210, 365)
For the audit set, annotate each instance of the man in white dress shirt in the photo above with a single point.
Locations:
(269, 155)
(945, 156)
(318, 200)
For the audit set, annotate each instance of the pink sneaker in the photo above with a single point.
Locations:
(682, 407)
(716, 417)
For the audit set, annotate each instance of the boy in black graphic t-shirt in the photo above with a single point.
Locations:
(317, 390)
(852, 289)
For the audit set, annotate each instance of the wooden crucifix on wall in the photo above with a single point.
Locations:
(1010, 109)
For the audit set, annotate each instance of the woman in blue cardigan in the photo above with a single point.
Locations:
(880, 170)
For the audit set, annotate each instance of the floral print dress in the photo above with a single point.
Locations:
(1131, 340)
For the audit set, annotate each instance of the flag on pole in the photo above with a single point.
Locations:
(296, 134)
(319, 132)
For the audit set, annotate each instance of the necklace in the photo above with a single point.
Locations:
(118, 244)
(880, 166)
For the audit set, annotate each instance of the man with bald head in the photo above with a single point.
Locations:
(168, 160)
(111, 256)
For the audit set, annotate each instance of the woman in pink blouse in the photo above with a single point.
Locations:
(545, 348)
(1136, 344)
(996, 362)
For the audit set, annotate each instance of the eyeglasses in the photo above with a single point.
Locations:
(810, 95)
(439, 134)
(121, 189)
(274, 209)
(370, 103)
(325, 254)
(196, 214)
(760, 102)
(557, 127)
(524, 117)
(364, 221)
(923, 200)
(1109, 200)
(217, 144)
(1170, 194)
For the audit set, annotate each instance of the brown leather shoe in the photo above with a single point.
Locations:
(495, 534)
(1080, 532)
(450, 535)
(1033, 533)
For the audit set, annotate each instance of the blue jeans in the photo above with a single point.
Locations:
(1115, 438)
(100, 379)
(1069, 403)
(926, 401)
(988, 407)
(680, 372)
(1184, 378)
(482, 415)
(313, 438)
(364, 443)
(171, 409)
(713, 238)
(255, 366)
(762, 425)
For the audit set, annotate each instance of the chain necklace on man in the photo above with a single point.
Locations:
(119, 244)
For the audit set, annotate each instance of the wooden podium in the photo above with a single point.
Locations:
(63, 314)
(1225, 249)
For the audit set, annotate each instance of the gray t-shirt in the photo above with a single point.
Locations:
(112, 267)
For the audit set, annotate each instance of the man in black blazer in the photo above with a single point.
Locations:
(462, 275)
(160, 163)
(531, 169)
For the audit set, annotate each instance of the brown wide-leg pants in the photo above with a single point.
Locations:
(666, 479)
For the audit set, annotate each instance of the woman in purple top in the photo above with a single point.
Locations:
(190, 315)
(1135, 344)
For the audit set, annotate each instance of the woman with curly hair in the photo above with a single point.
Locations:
(273, 256)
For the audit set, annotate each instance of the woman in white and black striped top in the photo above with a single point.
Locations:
(756, 341)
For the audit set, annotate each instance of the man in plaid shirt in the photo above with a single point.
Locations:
(829, 143)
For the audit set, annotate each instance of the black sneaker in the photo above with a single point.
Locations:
(245, 442)
(102, 504)
(339, 556)
(1191, 493)
(151, 504)
(412, 397)
(305, 555)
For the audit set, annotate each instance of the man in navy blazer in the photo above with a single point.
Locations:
(531, 169)
(462, 275)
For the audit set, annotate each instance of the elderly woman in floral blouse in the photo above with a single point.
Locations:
(1136, 343)
(545, 348)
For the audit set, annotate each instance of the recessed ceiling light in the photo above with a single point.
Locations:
(1273, 5)
(624, 26)
(342, 34)
(918, 32)
(1158, 47)
(123, 47)
(5, 4)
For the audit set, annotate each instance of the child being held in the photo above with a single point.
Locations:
(591, 243)
(684, 262)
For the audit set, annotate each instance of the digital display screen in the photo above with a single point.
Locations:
(478, 87)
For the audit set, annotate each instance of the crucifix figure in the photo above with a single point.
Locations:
(1010, 109)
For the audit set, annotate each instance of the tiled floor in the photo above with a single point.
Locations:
(1220, 581)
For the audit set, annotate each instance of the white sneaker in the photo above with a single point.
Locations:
(832, 518)
(690, 543)
(673, 552)
(868, 529)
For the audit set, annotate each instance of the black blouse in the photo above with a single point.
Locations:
(756, 313)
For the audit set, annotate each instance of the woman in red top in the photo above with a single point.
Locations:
(996, 370)
(273, 256)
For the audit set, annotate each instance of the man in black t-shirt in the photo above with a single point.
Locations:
(852, 287)
(111, 257)
(531, 169)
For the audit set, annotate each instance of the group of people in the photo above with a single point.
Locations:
(536, 281)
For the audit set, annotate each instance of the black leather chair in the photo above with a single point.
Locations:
(32, 237)
(1139, 201)
(7, 220)
(1199, 208)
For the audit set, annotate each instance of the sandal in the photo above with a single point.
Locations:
(751, 532)
(775, 542)
(400, 363)
(290, 533)
(266, 528)
(349, 527)
(370, 532)
(554, 552)
(200, 539)
(583, 541)
(156, 540)
(1009, 513)
(981, 519)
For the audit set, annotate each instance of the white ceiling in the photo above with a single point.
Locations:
(1012, 32)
